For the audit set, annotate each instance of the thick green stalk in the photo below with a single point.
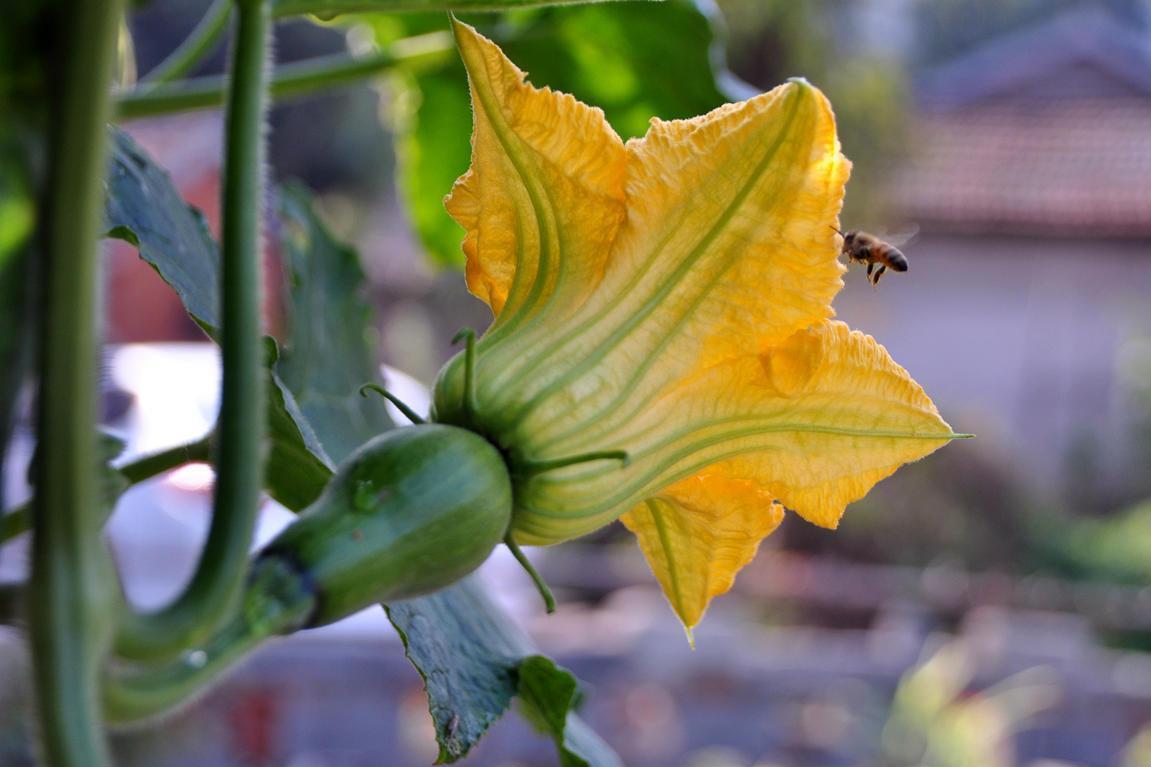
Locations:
(71, 587)
(198, 44)
(277, 601)
(290, 80)
(212, 594)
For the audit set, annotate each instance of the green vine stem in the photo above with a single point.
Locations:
(71, 589)
(19, 520)
(198, 44)
(155, 464)
(290, 80)
(212, 593)
(275, 602)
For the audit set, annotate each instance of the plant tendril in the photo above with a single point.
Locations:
(402, 406)
(541, 586)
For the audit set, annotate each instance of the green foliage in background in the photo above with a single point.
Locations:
(1112, 549)
(771, 40)
(635, 61)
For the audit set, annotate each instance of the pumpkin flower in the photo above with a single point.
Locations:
(663, 349)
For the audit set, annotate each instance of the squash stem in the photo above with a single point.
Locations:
(71, 587)
(278, 600)
(198, 44)
(215, 586)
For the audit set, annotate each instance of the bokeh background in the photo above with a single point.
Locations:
(989, 606)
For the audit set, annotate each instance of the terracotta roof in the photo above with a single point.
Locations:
(1069, 167)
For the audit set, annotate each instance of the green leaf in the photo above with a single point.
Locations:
(330, 349)
(466, 651)
(329, 8)
(145, 209)
(474, 660)
(634, 60)
(548, 696)
(298, 469)
(432, 151)
(298, 466)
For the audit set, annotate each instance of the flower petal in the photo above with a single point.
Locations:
(698, 533)
(817, 421)
(728, 249)
(544, 197)
(730, 220)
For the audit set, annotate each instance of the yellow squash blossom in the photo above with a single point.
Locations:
(663, 349)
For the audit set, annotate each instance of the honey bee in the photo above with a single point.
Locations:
(878, 254)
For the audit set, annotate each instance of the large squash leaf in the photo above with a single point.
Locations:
(330, 347)
(145, 209)
(548, 694)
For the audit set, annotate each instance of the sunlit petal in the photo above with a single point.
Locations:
(817, 420)
(728, 249)
(544, 197)
(698, 533)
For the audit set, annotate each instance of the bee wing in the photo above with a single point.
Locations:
(902, 236)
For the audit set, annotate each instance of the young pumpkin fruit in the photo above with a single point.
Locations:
(410, 512)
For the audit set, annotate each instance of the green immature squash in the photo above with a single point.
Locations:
(410, 512)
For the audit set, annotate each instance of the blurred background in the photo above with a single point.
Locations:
(990, 605)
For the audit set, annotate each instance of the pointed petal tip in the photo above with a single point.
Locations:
(827, 523)
(474, 47)
(459, 28)
(804, 86)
